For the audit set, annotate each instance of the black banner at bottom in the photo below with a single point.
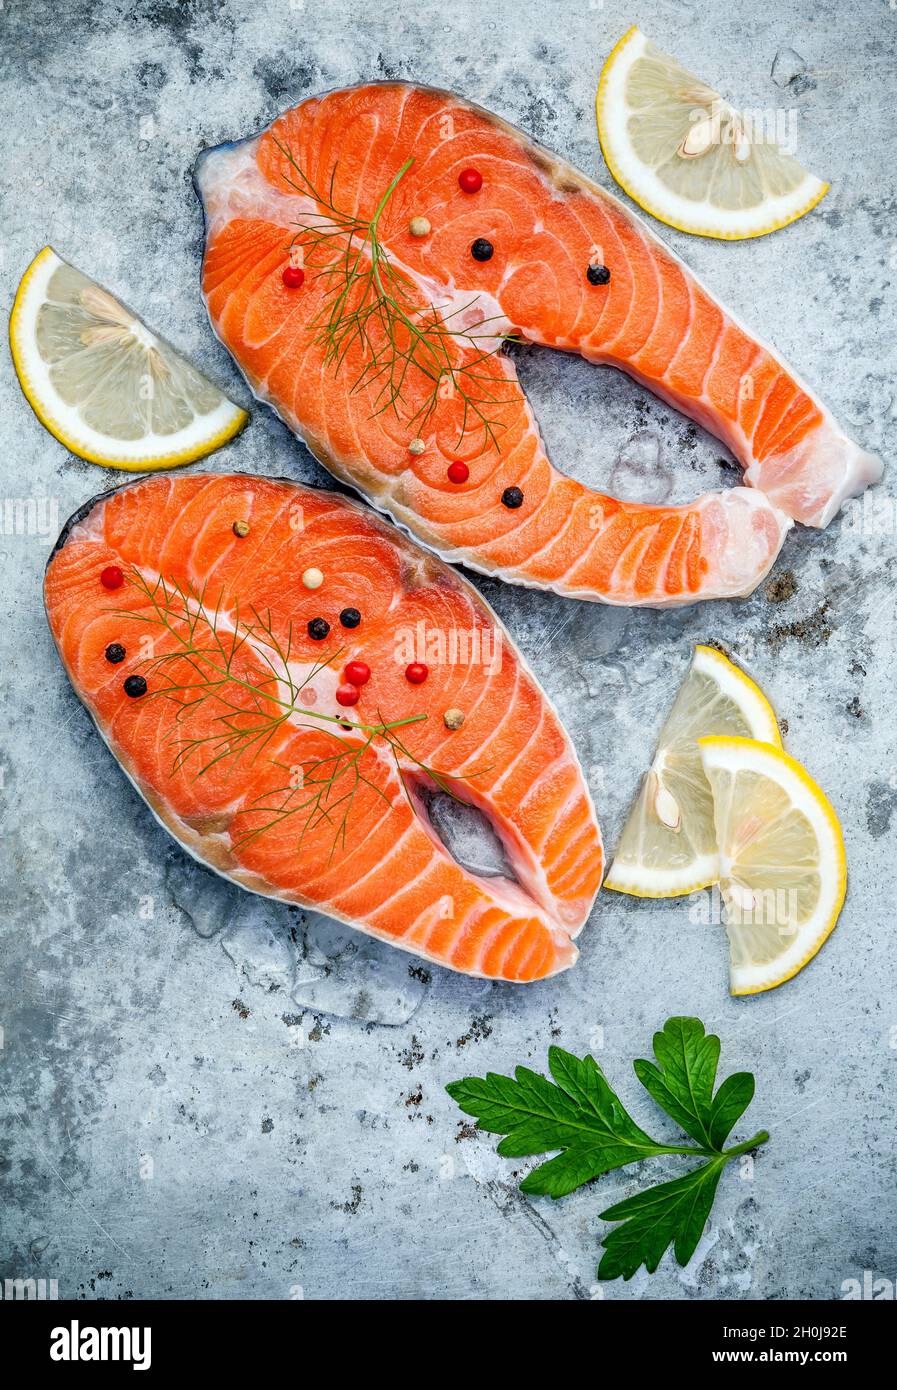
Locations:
(89, 1338)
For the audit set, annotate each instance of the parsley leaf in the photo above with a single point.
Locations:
(683, 1082)
(673, 1211)
(580, 1115)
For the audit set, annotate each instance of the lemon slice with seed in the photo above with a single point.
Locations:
(689, 158)
(668, 844)
(102, 383)
(783, 872)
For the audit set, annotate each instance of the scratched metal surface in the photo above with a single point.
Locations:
(206, 1096)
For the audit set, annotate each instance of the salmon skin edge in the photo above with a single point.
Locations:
(553, 168)
(190, 840)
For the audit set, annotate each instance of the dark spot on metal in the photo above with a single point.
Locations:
(413, 1055)
(881, 801)
(811, 631)
(480, 1029)
(350, 1207)
(781, 587)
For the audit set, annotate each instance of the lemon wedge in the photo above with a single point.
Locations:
(102, 383)
(668, 845)
(783, 872)
(689, 158)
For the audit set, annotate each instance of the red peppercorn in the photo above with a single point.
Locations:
(293, 277)
(458, 472)
(112, 577)
(347, 695)
(470, 180)
(416, 673)
(357, 673)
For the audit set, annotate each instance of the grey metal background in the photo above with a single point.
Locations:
(204, 1095)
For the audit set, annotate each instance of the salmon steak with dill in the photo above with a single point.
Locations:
(367, 258)
(288, 681)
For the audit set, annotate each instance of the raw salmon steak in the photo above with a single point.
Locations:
(479, 233)
(217, 664)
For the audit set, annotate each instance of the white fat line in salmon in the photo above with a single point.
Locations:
(305, 702)
(729, 543)
(405, 885)
(231, 184)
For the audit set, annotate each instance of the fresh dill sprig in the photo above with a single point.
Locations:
(220, 648)
(369, 302)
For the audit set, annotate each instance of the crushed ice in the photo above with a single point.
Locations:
(786, 66)
(467, 835)
(640, 474)
(319, 964)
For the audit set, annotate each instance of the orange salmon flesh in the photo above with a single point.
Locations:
(237, 742)
(546, 224)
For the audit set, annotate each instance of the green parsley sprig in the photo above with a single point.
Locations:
(582, 1117)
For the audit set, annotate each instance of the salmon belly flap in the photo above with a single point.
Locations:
(536, 251)
(212, 667)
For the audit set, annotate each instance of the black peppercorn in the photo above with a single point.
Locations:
(350, 617)
(482, 250)
(135, 686)
(115, 653)
(318, 629)
(512, 497)
(598, 275)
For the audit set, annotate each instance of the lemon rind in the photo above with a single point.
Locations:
(234, 418)
(660, 894)
(765, 726)
(639, 197)
(766, 723)
(777, 755)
